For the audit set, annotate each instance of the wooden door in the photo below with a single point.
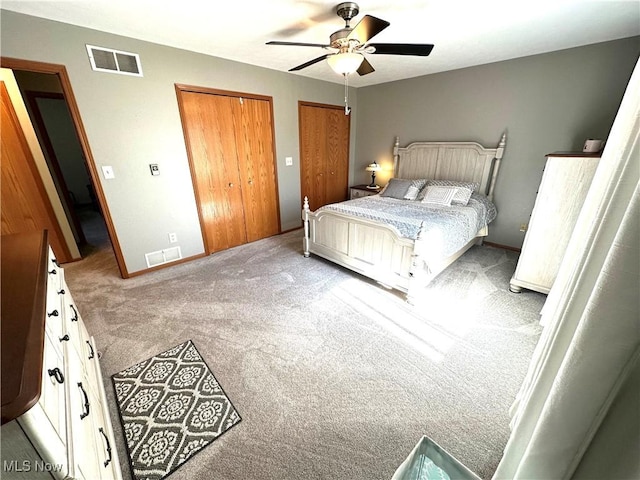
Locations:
(324, 153)
(208, 122)
(25, 204)
(256, 165)
(337, 166)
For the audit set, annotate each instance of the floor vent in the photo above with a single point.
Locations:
(114, 61)
(163, 256)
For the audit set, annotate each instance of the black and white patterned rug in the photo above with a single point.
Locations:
(171, 407)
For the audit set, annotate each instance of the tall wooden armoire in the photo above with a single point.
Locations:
(564, 186)
(229, 140)
(324, 153)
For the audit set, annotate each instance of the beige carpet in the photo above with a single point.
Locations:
(334, 376)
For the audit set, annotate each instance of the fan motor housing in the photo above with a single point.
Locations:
(347, 10)
(339, 38)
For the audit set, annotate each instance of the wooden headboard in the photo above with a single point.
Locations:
(462, 161)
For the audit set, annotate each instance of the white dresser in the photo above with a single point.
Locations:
(565, 182)
(55, 419)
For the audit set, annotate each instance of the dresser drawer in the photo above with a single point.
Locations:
(54, 323)
(89, 447)
(52, 396)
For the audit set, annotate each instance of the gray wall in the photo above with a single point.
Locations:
(546, 103)
(132, 122)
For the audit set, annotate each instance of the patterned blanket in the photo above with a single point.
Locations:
(446, 229)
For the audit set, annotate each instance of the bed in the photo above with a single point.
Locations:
(370, 235)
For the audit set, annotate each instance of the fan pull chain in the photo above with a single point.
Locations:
(347, 109)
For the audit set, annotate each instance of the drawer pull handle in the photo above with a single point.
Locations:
(65, 338)
(55, 262)
(53, 272)
(53, 314)
(75, 313)
(91, 353)
(86, 401)
(108, 460)
(61, 292)
(57, 374)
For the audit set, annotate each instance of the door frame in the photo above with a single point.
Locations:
(67, 91)
(180, 88)
(32, 97)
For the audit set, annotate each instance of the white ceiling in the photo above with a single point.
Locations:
(464, 32)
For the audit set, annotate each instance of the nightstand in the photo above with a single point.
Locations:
(357, 191)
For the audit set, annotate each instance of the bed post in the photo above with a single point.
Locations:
(416, 271)
(305, 223)
(496, 165)
(396, 155)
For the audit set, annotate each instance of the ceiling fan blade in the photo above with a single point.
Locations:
(309, 63)
(297, 44)
(365, 68)
(417, 49)
(367, 28)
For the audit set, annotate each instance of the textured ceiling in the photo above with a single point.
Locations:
(464, 32)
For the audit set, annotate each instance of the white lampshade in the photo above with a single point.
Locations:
(373, 167)
(345, 63)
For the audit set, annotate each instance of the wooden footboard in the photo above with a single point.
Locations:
(375, 250)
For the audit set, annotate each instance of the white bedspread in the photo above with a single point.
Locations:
(445, 229)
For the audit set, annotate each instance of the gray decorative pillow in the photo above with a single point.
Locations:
(474, 186)
(396, 188)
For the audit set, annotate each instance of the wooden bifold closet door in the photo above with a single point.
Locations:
(231, 153)
(324, 153)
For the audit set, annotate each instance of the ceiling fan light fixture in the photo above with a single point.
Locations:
(345, 63)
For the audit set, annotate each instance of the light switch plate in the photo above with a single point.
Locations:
(155, 170)
(288, 161)
(107, 171)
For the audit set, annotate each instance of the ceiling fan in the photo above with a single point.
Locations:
(349, 44)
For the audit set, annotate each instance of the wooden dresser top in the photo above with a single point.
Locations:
(23, 267)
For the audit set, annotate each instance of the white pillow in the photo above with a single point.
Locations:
(462, 196)
(412, 193)
(439, 195)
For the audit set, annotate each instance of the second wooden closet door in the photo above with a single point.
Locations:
(230, 141)
(324, 153)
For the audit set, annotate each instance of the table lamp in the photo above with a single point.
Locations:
(373, 168)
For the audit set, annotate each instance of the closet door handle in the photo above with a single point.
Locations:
(53, 314)
(108, 460)
(61, 292)
(57, 374)
(86, 402)
(230, 184)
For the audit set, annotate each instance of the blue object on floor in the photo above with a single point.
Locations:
(429, 461)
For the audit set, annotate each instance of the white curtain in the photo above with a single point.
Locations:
(591, 337)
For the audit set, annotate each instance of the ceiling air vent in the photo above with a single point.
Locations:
(114, 61)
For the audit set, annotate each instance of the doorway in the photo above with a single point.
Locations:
(48, 97)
